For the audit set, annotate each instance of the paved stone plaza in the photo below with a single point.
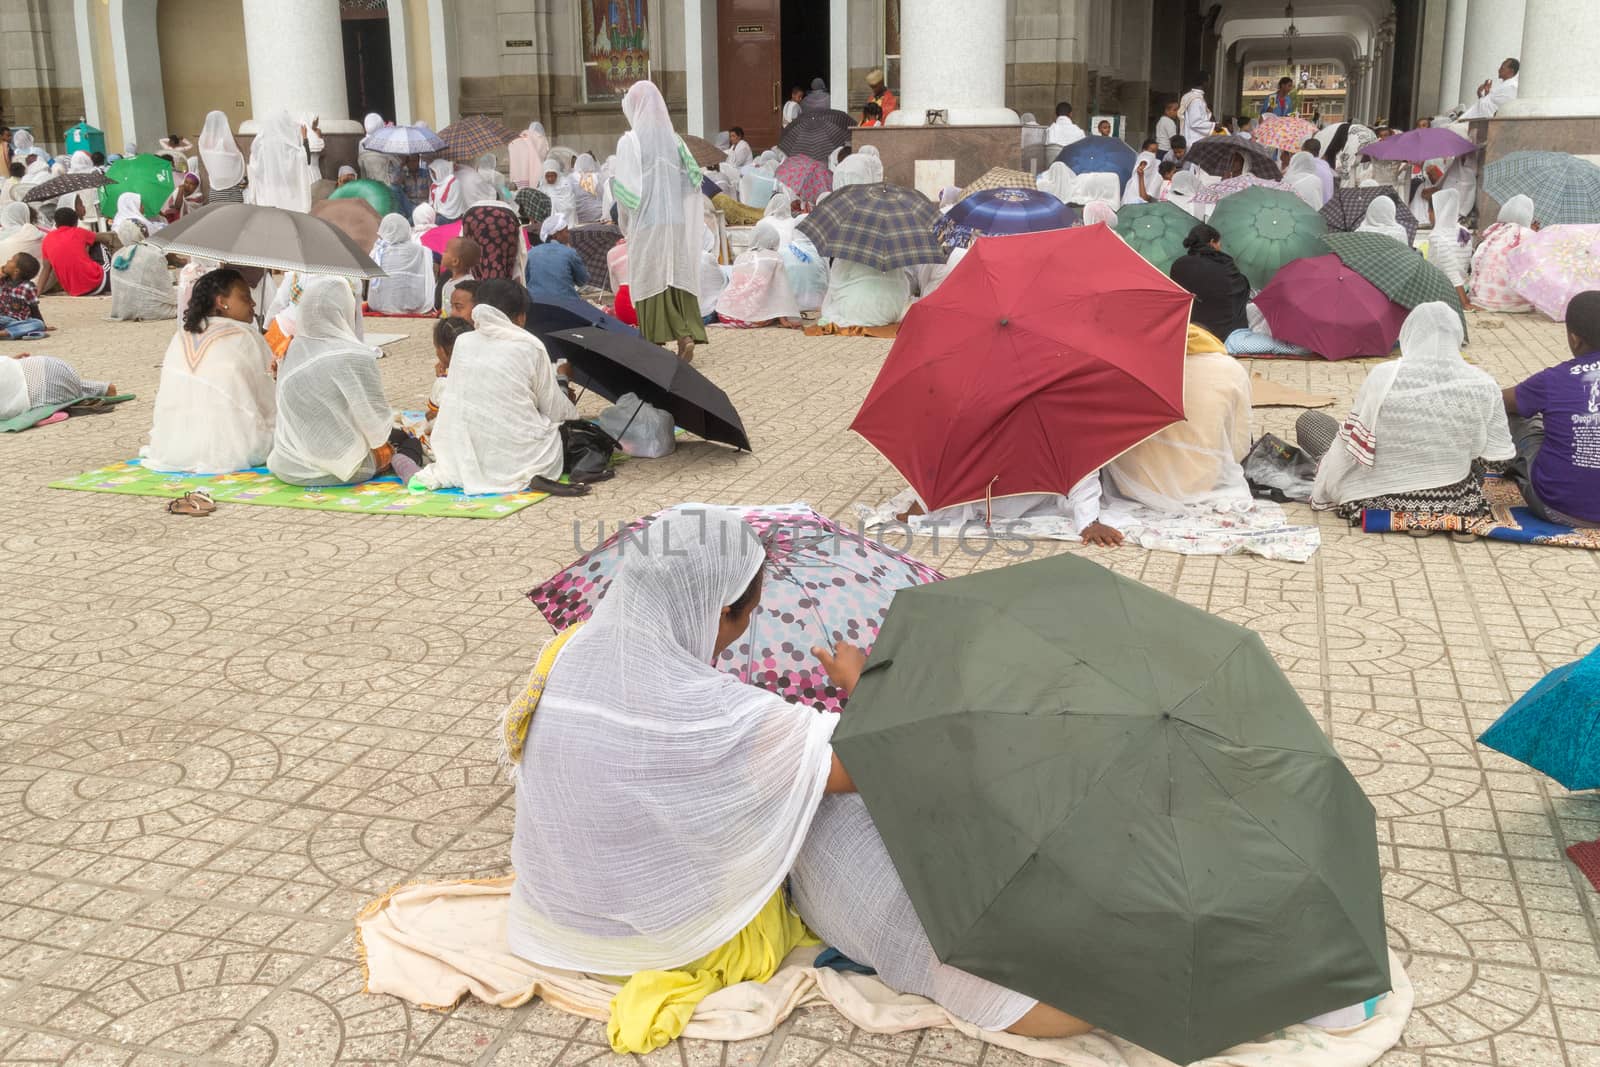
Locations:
(221, 736)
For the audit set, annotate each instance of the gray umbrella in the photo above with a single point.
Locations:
(246, 235)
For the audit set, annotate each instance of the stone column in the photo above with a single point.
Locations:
(296, 54)
(1494, 31)
(953, 58)
(1559, 43)
(1455, 42)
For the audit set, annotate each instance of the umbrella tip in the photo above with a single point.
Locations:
(1005, 322)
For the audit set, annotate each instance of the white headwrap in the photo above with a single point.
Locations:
(279, 176)
(552, 225)
(423, 218)
(13, 217)
(1095, 185)
(859, 168)
(81, 163)
(129, 208)
(1519, 210)
(408, 289)
(347, 169)
(562, 197)
(664, 231)
(448, 197)
(219, 152)
(1380, 218)
(372, 124)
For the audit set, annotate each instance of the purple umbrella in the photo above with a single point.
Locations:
(1321, 304)
(1419, 146)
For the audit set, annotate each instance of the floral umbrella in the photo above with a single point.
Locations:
(824, 584)
(1284, 132)
(1555, 265)
(1216, 191)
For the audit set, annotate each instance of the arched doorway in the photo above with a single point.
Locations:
(368, 57)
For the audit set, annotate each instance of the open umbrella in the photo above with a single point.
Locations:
(824, 584)
(997, 212)
(1552, 266)
(1155, 231)
(1041, 357)
(806, 177)
(548, 315)
(1096, 154)
(468, 138)
(1214, 155)
(405, 141)
(1348, 208)
(612, 363)
(1564, 189)
(816, 134)
(354, 217)
(247, 235)
(1215, 192)
(1420, 145)
(1400, 272)
(1000, 178)
(1107, 799)
(884, 226)
(1286, 133)
(1555, 727)
(375, 193)
(703, 151)
(1262, 229)
(66, 183)
(1321, 304)
(149, 176)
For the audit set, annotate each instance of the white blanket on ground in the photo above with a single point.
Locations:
(432, 944)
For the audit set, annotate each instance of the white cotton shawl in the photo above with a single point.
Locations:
(1518, 210)
(1419, 421)
(14, 218)
(1446, 250)
(660, 803)
(858, 295)
(14, 397)
(130, 208)
(448, 198)
(664, 233)
(80, 163)
(563, 197)
(1381, 218)
(331, 408)
(1185, 186)
(1057, 180)
(501, 424)
(759, 289)
(279, 176)
(215, 403)
(219, 153)
(858, 169)
(372, 123)
(1097, 211)
(1152, 179)
(1095, 185)
(1305, 179)
(408, 289)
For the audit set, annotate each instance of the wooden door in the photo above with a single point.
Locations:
(750, 68)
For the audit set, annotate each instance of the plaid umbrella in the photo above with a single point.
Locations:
(999, 178)
(1283, 132)
(1214, 155)
(1217, 191)
(815, 134)
(67, 183)
(1155, 231)
(1403, 275)
(406, 141)
(533, 207)
(1262, 229)
(883, 226)
(996, 212)
(1554, 265)
(1564, 189)
(468, 138)
(807, 177)
(703, 151)
(1349, 206)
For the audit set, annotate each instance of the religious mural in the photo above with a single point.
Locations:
(616, 46)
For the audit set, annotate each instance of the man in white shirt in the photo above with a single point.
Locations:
(1493, 94)
(791, 109)
(1167, 126)
(739, 153)
(1197, 121)
(1063, 131)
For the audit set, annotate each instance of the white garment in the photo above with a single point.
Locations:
(663, 230)
(1487, 106)
(1063, 131)
(1100, 211)
(1446, 249)
(527, 156)
(1305, 179)
(219, 153)
(1381, 218)
(859, 168)
(423, 219)
(141, 284)
(130, 208)
(1057, 180)
(81, 162)
(861, 296)
(1166, 130)
(502, 424)
(808, 271)
(759, 288)
(278, 170)
(929, 276)
(215, 403)
(563, 198)
(1185, 186)
(1197, 122)
(479, 182)
(636, 731)
(447, 197)
(408, 289)
(740, 155)
(1152, 180)
(1417, 422)
(1081, 506)
(1095, 185)
(372, 123)
(13, 388)
(791, 111)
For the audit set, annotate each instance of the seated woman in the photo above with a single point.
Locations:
(216, 402)
(408, 289)
(759, 293)
(1449, 246)
(184, 199)
(1222, 297)
(28, 381)
(1491, 263)
(333, 421)
(141, 284)
(625, 718)
(497, 229)
(1417, 429)
(859, 296)
(1303, 177)
(19, 233)
(1381, 218)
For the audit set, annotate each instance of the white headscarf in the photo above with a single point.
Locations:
(21, 141)
(347, 169)
(448, 197)
(1380, 218)
(759, 288)
(13, 218)
(129, 208)
(1152, 179)
(1095, 185)
(1305, 179)
(279, 176)
(408, 289)
(560, 192)
(664, 231)
(1100, 211)
(81, 163)
(1057, 180)
(372, 124)
(423, 219)
(38, 170)
(1445, 248)
(1518, 210)
(859, 168)
(778, 207)
(636, 724)
(552, 225)
(219, 153)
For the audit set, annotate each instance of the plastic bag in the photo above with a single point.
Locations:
(1277, 470)
(644, 429)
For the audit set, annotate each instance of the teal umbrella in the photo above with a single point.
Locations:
(1156, 231)
(1262, 229)
(149, 176)
(1113, 802)
(1555, 727)
(375, 193)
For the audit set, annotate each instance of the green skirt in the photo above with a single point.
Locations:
(669, 315)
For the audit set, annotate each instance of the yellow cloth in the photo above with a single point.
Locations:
(738, 214)
(1203, 340)
(654, 1006)
(514, 723)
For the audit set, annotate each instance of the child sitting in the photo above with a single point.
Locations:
(19, 299)
(444, 345)
(456, 266)
(871, 114)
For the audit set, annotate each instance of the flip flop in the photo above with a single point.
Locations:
(545, 485)
(197, 503)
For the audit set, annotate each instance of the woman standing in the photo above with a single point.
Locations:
(222, 161)
(279, 166)
(657, 187)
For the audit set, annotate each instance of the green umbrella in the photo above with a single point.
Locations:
(1262, 229)
(149, 176)
(1397, 269)
(375, 193)
(1113, 802)
(1156, 231)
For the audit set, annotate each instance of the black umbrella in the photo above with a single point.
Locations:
(612, 363)
(1214, 155)
(66, 183)
(546, 317)
(815, 134)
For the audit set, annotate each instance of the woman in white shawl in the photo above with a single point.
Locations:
(759, 293)
(130, 209)
(19, 234)
(1185, 187)
(556, 184)
(1417, 428)
(408, 289)
(215, 404)
(1381, 218)
(1057, 180)
(858, 168)
(141, 284)
(585, 180)
(527, 156)
(278, 166)
(333, 421)
(423, 219)
(221, 161)
(1448, 245)
(1305, 179)
(1100, 211)
(1095, 185)
(1151, 172)
(447, 197)
(1491, 263)
(657, 188)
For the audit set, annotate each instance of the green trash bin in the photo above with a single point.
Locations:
(149, 176)
(85, 138)
(375, 193)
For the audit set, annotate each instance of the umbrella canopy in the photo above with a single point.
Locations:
(66, 183)
(1348, 209)
(1400, 272)
(247, 235)
(1214, 155)
(468, 138)
(1215, 192)
(1155, 231)
(1555, 727)
(405, 141)
(375, 193)
(1286, 133)
(1552, 266)
(1420, 145)
(1096, 154)
(884, 226)
(1000, 178)
(703, 151)
(1565, 189)
(1041, 357)
(1131, 780)
(438, 237)
(816, 134)
(1262, 229)
(824, 584)
(808, 178)
(547, 316)
(354, 217)
(613, 363)
(1321, 304)
(996, 212)
(149, 176)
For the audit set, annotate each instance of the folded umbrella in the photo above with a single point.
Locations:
(1262, 229)
(1321, 304)
(816, 134)
(1000, 178)
(1040, 358)
(1555, 727)
(354, 217)
(1420, 145)
(1552, 266)
(612, 363)
(1286, 133)
(1565, 189)
(1215, 192)
(1102, 797)
(997, 212)
(1096, 154)
(468, 138)
(405, 141)
(884, 226)
(1401, 273)
(66, 183)
(1155, 231)
(1348, 209)
(547, 316)
(149, 176)
(247, 235)
(703, 151)
(824, 584)
(806, 177)
(1214, 155)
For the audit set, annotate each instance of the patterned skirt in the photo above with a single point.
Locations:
(233, 195)
(1461, 498)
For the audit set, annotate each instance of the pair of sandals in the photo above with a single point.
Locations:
(197, 503)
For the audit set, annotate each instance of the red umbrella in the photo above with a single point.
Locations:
(1043, 356)
(1321, 304)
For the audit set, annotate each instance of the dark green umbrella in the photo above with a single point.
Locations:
(1155, 231)
(1400, 271)
(1262, 229)
(1109, 800)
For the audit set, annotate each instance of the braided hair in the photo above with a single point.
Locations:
(203, 297)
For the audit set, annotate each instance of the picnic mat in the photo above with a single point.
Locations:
(432, 944)
(381, 496)
(1508, 520)
(1586, 856)
(84, 404)
(1266, 393)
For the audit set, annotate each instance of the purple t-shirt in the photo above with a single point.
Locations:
(1566, 473)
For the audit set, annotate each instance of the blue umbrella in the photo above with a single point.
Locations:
(1104, 154)
(1555, 727)
(992, 212)
(405, 141)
